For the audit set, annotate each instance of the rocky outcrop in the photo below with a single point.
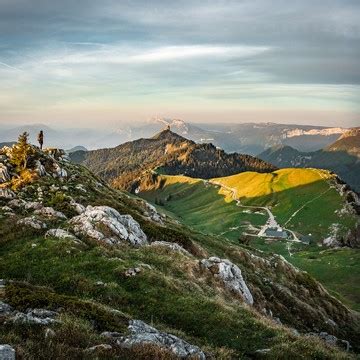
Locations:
(36, 317)
(33, 222)
(171, 246)
(105, 224)
(5, 309)
(7, 193)
(230, 275)
(4, 174)
(141, 333)
(61, 234)
(49, 212)
(7, 352)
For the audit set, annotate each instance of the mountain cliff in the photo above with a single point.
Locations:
(169, 153)
(341, 157)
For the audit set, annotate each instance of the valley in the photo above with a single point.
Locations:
(299, 206)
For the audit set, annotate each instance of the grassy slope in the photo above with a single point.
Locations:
(209, 210)
(173, 294)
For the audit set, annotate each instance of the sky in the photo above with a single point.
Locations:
(110, 62)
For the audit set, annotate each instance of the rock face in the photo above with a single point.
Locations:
(231, 276)
(7, 352)
(141, 333)
(105, 224)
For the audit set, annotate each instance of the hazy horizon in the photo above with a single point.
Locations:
(107, 64)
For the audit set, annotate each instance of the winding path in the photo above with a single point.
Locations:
(271, 222)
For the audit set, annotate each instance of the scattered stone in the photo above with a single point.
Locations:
(110, 334)
(33, 222)
(132, 272)
(80, 209)
(262, 351)
(50, 213)
(36, 316)
(152, 213)
(7, 193)
(4, 174)
(105, 224)
(7, 352)
(81, 188)
(332, 340)
(141, 333)
(7, 209)
(61, 234)
(49, 333)
(231, 276)
(16, 203)
(33, 205)
(172, 246)
(5, 309)
(39, 168)
(59, 172)
(100, 347)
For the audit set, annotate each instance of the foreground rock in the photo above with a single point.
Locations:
(36, 317)
(61, 234)
(231, 276)
(105, 224)
(33, 222)
(141, 333)
(7, 352)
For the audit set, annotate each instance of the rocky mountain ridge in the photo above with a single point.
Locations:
(122, 166)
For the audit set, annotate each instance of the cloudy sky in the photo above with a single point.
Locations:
(98, 63)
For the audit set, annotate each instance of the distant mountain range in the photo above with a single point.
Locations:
(168, 152)
(248, 138)
(342, 157)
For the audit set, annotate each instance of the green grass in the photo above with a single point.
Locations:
(211, 210)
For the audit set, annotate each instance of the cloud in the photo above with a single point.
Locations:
(121, 55)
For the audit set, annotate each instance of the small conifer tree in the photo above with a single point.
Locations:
(21, 152)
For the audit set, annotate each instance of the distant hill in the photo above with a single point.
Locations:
(349, 142)
(244, 138)
(10, 143)
(77, 148)
(168, 152)
(342, 157)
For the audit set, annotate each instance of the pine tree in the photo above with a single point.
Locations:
(21, 152)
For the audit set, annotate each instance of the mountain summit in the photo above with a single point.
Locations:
(170, 153)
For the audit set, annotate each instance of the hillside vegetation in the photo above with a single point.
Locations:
(303, 200)
(82, 262)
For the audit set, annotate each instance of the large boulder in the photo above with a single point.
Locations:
(230, 275)
(105, 224)
(142, 333)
